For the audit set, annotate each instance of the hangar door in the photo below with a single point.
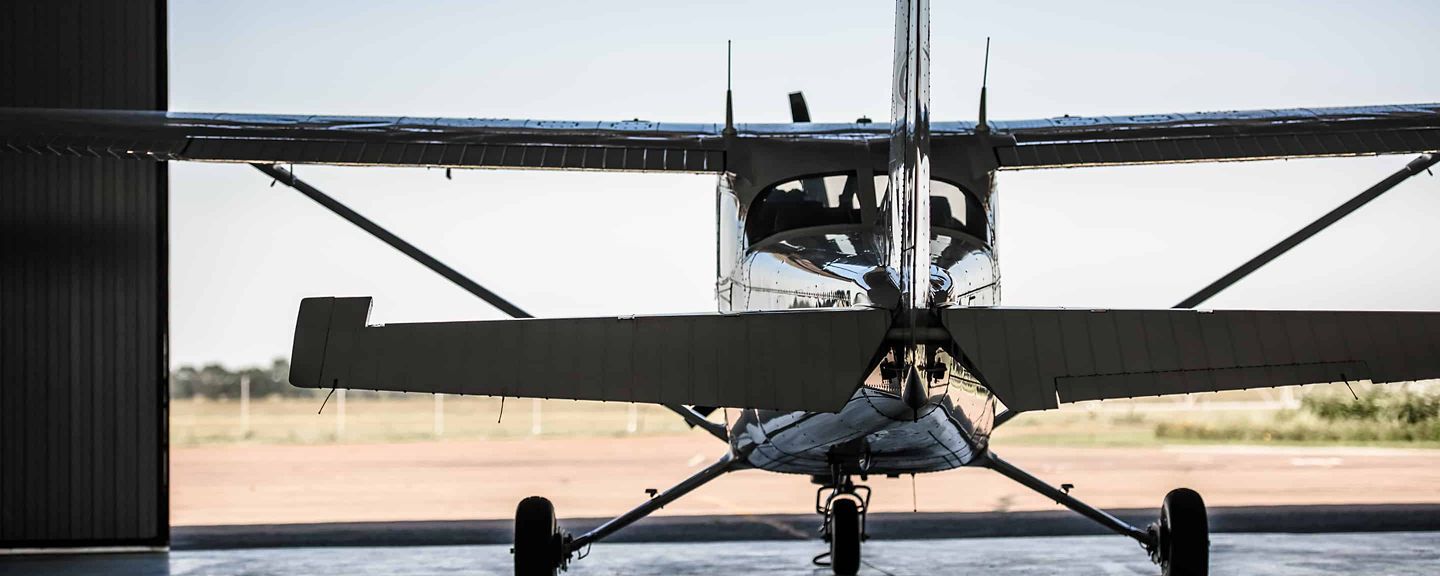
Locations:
(82, 287)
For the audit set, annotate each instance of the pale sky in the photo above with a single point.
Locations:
(243, 254)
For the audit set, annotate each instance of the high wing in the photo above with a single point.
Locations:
(809, 360)
(365, 141)
(1219, 136)
(1034, 359)
(637, 145)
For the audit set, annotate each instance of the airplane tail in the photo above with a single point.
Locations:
(905, 243)
(815, 360)
(907, 207)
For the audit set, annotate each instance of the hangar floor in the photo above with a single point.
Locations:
(1395, 554)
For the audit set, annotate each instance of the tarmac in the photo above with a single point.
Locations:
(604, 477)
(1392, 554)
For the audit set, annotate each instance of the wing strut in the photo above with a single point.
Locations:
(1416, 166)
(289, 179)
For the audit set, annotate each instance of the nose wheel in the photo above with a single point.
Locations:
(845, 530)
(843, 507)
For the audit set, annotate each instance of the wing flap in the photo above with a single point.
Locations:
(793, 360)
(1106, 354)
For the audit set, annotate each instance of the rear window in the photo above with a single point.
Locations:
(804, 203)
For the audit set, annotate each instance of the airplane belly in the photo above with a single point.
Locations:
(889, 436)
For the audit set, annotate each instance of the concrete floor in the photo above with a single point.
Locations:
(1391, 554)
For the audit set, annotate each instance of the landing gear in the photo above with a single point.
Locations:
(540, 546)
(1182, 536)
(1179, 542)
(843, 507)
(845, 533)
(542, 549)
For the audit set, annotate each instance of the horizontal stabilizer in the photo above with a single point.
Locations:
(808, 360)
(1034, 359)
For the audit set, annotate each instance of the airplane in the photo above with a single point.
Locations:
(859, 329)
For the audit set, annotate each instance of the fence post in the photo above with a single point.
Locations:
(439, 415)
(339, 414)
(244, 406)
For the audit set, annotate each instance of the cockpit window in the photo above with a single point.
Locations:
(804, 203)
(950, 207)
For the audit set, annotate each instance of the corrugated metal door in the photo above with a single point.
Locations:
(82, 287)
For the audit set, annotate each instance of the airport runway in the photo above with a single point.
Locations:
(1391, 554)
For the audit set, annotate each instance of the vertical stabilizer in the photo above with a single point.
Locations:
(907, 206)
(908, 202)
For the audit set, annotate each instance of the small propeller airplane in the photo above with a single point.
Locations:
(859, 329)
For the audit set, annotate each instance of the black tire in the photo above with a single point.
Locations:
(537, 538)
(1184, 537)
(844, 537)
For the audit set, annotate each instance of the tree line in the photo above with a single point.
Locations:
(215, 382)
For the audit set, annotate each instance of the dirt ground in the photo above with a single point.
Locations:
(598, 477)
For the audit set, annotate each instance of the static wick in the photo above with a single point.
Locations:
(1347, 387)
(914, 498)
(326, 400)
(502, 410)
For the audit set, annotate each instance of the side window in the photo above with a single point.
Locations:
(821, 200)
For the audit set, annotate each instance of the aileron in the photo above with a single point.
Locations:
(1219, 136)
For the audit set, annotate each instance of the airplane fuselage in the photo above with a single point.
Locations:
(813, 242)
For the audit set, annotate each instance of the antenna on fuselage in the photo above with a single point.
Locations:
(983, 127)
(729, 103)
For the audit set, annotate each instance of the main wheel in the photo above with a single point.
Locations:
(1184, 537)
(844, 537)
(537, 538)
